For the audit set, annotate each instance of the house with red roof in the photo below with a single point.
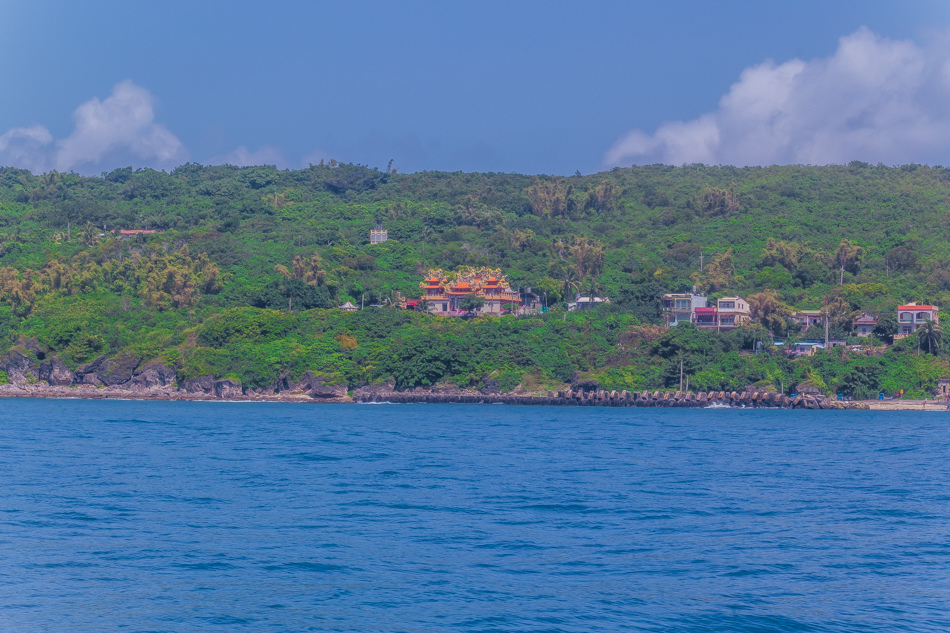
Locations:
(911, 317)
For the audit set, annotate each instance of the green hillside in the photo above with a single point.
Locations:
(244, 277)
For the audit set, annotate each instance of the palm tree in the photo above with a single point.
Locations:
(594, 289)
(569, 283)
(931, 334)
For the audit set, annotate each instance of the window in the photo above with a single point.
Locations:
(682, 303)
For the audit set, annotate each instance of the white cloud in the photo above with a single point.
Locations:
(119, 130)
(243, 157)
(26, 147)
(875, 100)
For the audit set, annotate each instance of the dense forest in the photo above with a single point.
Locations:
(245, 273)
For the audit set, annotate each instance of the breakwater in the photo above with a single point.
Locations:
(603, 398)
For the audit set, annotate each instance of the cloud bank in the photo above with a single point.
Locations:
(119, 130)
(875, 100)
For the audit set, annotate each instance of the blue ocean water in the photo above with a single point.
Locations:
(150, 516)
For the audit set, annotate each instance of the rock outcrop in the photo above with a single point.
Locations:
(117, 371)
(152, 376)
(374, 393)
(56, 373)
(320, 389)
(201, 384)
(228, 388)
(20, 368)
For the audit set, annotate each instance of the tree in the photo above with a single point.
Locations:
(90, 235)
(588, 257)
(769, 311)
(641, 299)
(472, 303)
(716, 201)
(569, 283)
(862, 381)
(718, 274)
(931, 335)
(900, 258)
(551, 198)
(839, 312)
(848, 256)
(886, 326)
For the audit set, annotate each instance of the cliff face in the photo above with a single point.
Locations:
(31, 373)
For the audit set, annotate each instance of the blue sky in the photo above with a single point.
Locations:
(532, 87)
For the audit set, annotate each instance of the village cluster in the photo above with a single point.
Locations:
(472, 291)
(452, 294)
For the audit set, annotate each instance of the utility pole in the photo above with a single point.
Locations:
(701, 254)
(826, 330)
(681, 373)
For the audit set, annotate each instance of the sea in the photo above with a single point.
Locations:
(277, 517)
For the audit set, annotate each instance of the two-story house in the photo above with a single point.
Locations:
(864, 324)
(680, 307)
(733, 312)
(807, 318)
(911, 317)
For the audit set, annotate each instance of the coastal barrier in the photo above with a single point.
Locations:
(603, 398)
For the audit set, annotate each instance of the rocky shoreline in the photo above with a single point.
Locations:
(31, 374)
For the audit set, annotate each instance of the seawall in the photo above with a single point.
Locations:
(702, 399)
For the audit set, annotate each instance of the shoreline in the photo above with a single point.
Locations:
(371, 395)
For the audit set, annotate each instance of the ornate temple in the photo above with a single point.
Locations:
(444, 292)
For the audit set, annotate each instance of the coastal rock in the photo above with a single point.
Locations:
(286, 383)
(586, 385)
(19, 367)
(56, 373)
(228, 388)
(304, 384)
(381, 391)
(201, 384)
(322, 390)
(116, 371)
(89, 368)
(33, 345)
(88, 379)
(490, 387)
(444, 388)
(316, 386)
(154, 375)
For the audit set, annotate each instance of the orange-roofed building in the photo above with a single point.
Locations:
(445, 292)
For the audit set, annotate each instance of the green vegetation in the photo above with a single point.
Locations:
(244, 278)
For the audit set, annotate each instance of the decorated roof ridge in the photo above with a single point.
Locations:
(466, 280)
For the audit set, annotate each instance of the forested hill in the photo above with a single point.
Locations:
(864, 236)
(653, 223)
